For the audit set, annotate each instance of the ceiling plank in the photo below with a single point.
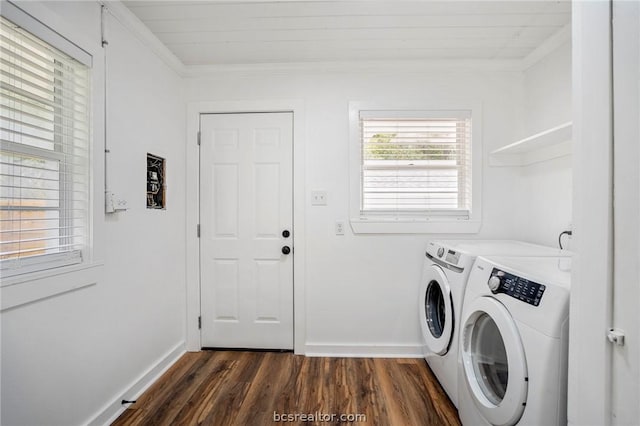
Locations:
(196, 55)
(360, 22)
(170, 10)
(532, 35)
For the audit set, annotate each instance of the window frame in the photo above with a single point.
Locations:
(31, 286)
(414, 222)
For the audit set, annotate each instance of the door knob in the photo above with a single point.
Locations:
(286, 233)
(286, 250)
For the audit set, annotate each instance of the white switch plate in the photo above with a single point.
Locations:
(318, 198)
(339, 228)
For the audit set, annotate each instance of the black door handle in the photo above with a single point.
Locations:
(286, 250)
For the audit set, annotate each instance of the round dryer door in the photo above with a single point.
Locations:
(495, 367)
(436, 310)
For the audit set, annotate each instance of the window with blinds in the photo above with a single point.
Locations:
(44, 154)
(416, 163)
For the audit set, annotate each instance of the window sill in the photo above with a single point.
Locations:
(414, 226)
(22, 289)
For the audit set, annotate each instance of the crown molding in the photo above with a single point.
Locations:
(130, 21)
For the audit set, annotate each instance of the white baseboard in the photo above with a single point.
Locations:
(111, 411)
(363, 351)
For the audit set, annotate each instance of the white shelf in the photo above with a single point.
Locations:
(546, 145)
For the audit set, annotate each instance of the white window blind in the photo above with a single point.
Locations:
(44, 154)
(416, 163)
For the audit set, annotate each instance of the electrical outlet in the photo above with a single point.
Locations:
(339, 228)
(114, 204)
(121, 205)
(318, 198)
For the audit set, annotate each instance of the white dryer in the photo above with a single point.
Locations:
(514, 342)
(446, 269)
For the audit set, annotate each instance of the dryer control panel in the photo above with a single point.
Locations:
(517, 287)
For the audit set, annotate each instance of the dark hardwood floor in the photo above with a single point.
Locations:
(246, 388)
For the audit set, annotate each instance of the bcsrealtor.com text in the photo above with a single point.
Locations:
(318, 417)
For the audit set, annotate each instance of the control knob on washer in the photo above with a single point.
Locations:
(494, 283)
(440, 251)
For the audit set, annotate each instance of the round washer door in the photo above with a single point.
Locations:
(436, 310)
(494, 362)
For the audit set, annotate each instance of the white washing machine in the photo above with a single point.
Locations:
(444, 277)
(514, 342)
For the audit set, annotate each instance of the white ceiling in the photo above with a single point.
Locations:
(252, 32)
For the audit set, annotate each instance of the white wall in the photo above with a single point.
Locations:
(361, 289)
(544, 209)
(547, 86)
(64, 359)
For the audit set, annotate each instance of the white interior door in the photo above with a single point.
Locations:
(625, 395)
(246, 205)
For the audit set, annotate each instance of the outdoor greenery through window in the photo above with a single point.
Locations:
(44, 154)
(416, 163)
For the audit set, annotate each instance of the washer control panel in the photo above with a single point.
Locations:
(517, 287)
(452, 257)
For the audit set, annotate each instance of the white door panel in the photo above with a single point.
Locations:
(245, 204)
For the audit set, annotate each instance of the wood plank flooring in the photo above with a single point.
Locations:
(246, 388)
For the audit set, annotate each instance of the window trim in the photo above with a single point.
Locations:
(380, 223)
(23, 289)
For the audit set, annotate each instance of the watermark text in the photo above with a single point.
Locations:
(318, 417)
